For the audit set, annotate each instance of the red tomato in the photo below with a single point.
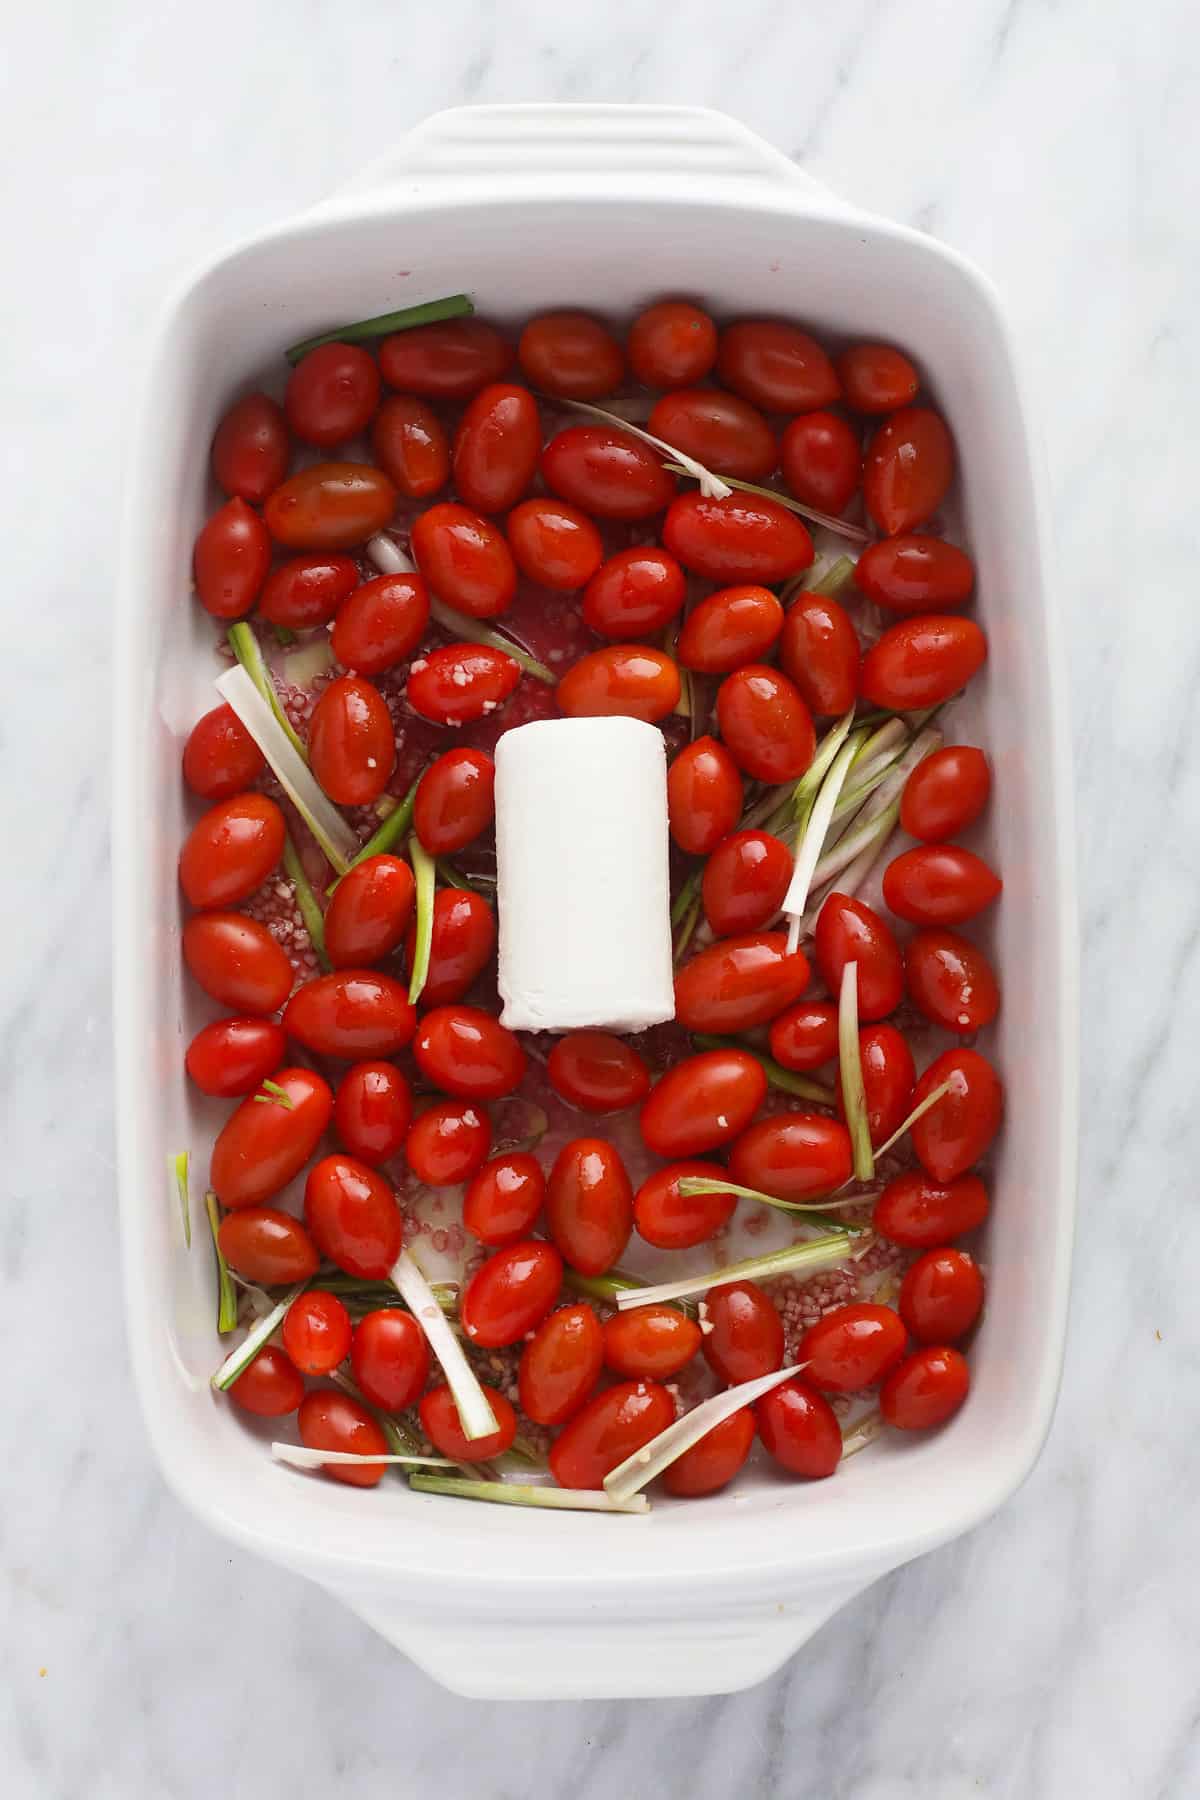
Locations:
(504, 1199)
(461, 683)
(920, 1214)
(912, 574)
(628, 681)
(609, 473)
(330, 506)
(766, 724)
(220, 758)
(496, 447)
(777, 366)
(351, 741)
(390, 1358)
(725, 433)
(742, 538)
(511, 1293)
(267, 1246)
(650, 1340)
(316, 1332)
(907, 470)
(455, 801)
(332, 394)
(262, 1146)
(466, 1052)
(352, 1013)
(739, 982)
(231, 850)
(352, 1214)
(465, 559)
(956, 1131)
(570, 355)
(409, 443)
(672, 344)
(369, 912)
(799, 1428)
(250, 448)
(939, 884)
(746, 1339)
(610, 1428)
(945, 793)
(597, 1071)
(852, 1347)
(921, 662)
(231, 559)
(735, 625)
(589, 1205)
(332, 1421)
(926, 1389)
(269, 1386)
(712, 1462)
(819, 652)
(673, 1221)
(448, 360)
(951, 981)
(464, 936)
(560, 1365)
(744, 882)
(876, 379)
(888, 1073)
(381, 623)
(821, 461)
(372, 1111)
(805, 1037)
(941, 1296)
(703, 1102)
(704, 796)
(448, 1142)
(443, 1427)
(306, 591)
(635, 593)
(555, 543)
(849, 931)
(233, 1056)
(237, 961)
(794, 1156)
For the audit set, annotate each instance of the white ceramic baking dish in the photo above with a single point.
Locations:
(608, 207)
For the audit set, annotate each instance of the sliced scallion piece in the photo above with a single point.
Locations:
(950, 1085)
(819, 1253)
(301, 1457)
(362, 331)
(306, 900)
(808, 849)
(227, 1301)
(515, 1493)
(177, 1167)
(854, 1094)
(425, 871)
(240, 1359)
(474, 1409)
(638, 1470)
(246, 648)
(295, 777)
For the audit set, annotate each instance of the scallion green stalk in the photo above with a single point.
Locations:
(841, 526)
(306, 900)
(362, 331)
(299, 1456)
(514, 1493)
(950, 1085)
(227, 1301)
(786, 1080)
(390, 559)
(425, 871)
(177, 1168)
(691, 1186)
(854, 1093)
(240, 1359)
(394, 827)
(246, 648)
(819, 1253)
(808, 849)
(712, 486)
(319, 813)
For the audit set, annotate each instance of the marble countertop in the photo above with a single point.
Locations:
(1053, 1652)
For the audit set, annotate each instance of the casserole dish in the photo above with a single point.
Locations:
(608, 207)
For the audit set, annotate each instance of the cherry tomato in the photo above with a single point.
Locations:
(766, 724)
(306, 591)
(443, 1427)
(951, 981)
(465, 559)
(504, 1199)
(332, 394)
(722, 431)
(742, 538)
(776, 365)
(852, 1347)
(369, 912)
(805, 1037)
(560, 1365)
(381, 623)
(848, 930)
(570, 355)
(956, 1131)
(819, 652)
(250, 449)
(372, 1111)
(735, 625)
(330, 506)
(672, 344)
(269, 1386)
(496, 447)
(597, 1071)
(704, 796)
(332, 1421)
(262, 1146)
(448, 1142)
(448, 360)
(799, 1428)
(351, 741)
(461, 683)
(466, 1052)
(220, 758)
(352, 1214)
(410, 445)
(703, 1102)
(913, 574)
(629, 681)
(650, 1340)
(455, 801)
(744, 882)
(926, 1389)
(888, 1073)
(941, 1296)
(316, 1332)
(231, 850)
(921, 662)
(746, 1339)
(389, 1354)
(635, 593)
(821, 461)
(674, 1221)
(231, 559)
(945, 793)
(231, 1057)
(714, 1460)
(511, 1293)
(939, 884)
(610, 1428)
(555, 543)
(237, 961)
(609, 473)
(876, 379)
(921, 1214)
(907, 470)
(794, 1156)
(739, 982)
(589, 1205)
(464, 936)
(267, 1246)
(352, 1013)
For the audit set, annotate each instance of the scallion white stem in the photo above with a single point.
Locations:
(515, 1493)
(692, 1185)
(808, 849)
(712, 486)
(878, 817)
(864, 1431)
(240, 1359)
(425, 871)
(315, 808)
(820, 1253)
(638, 1470)
(301, 1457)
(177, 1168)
(474, 1408)
(390, 559)
(227, 1302)
(246, 648)
(854, 1093)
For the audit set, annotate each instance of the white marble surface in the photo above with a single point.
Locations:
(1053, 1653)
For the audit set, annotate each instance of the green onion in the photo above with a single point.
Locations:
(246, 648)
(299, 1456)
(283, 637)
(452, 877)
(177, 1168)
(512, 1493)
(864, 1431)
(854, 1093)
(240, 1359)
(227, 1301)
(279, 1096)
(918, 1112)
(831, 579)
(388, 834)
(713, 487)
(690, 1186)
(841, 526)
(808, 849)
(306, 900)
(390, 559)
(640, 1469)
(426, 873)
(607, 1289)
(686, 895)
(296, 778)
(454, 306)
(474, 1408)
(689, 925)
(784, 1079)
(819, 1253)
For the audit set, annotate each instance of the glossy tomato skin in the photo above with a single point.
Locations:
(555, 543)
(746, 1339)
(926, 1389)
(448, 1142)
(703, 1102)
(467, 1052)
(795, 1156)
(744, 882)
(455, 801)
(672, 344)
(570, 355)
(381, 623)
(941, 1296)
(270, 1386)
(945, 793)
(511, 1293)
(352, 1214)
(231, 851)
(950, 980)
(220, 758)
(369, 913)
(852, 1347)
(957, 1131)
(922, 1214)
(352, 1013)
(504, 1199)
(496, 447)
(589, 1205)
(821, 461)
(819, 652)
(799, 1429)
(742, 538)
(250, 449)
(629, 681)
(332, 394)
(316, 1332)
(561, 1364)
(735, 625)
(908, 469)
(330, 506)
(332, 1421)
(464, 937)
(723, 431)
(656, 1341)
(609, 473)
(915, 574)
(765, 723)
(261, 1147)
(888, 1073)
(443, 1427)
(611, 1427)
(922, 661)
(459, 683)
(389, 1354)
(306, 591)
(876, 378)
(704, 796)
(448, 360)
(372, 1111)
(674, 1221)
(776, 365)
(232, 1057)
(805, 1037)
(597, 1071)
(351, 742)
(635, 593)
(267, 1246)
(409, 443)
(712, 1463)
(939, 884)
(465, 559)
(848, 930)
(739, 982)
(230, 560)
(237, 961)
